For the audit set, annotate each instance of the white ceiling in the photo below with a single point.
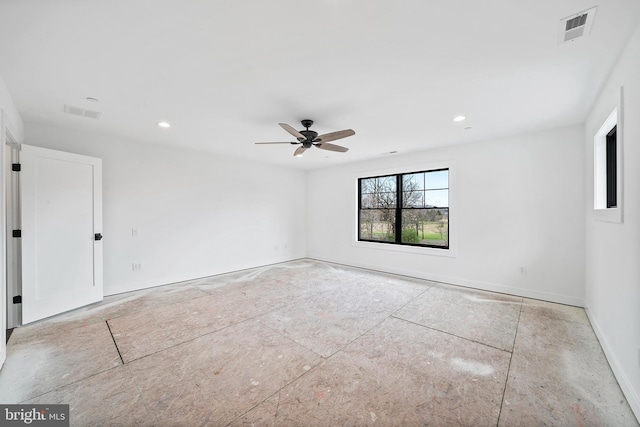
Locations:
(225, 73)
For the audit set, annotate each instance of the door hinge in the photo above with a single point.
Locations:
(17, 299)
(16, 167)
(17, 233)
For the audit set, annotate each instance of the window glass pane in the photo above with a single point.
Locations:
(378, 192)
(377, 224)
(413, 199)
(413, 181)
(382, 192)
(367, 185)
(386, 183)
(379, 200)
(366, 200)
(386, 192)
(412, 190)
(438, 179)
(426, 227)
(611, 166)
(439, 198)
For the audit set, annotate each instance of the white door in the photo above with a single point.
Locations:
(61, 198)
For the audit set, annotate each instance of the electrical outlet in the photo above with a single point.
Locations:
(523, 270)
(136, 266)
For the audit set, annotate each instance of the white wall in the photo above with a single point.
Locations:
(11, 118)
(197, 214)
(518, 201)
(11, 122)
(613, 249)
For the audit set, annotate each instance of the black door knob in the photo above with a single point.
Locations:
(98, 236)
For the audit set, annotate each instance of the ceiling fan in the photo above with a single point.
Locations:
(309, 138)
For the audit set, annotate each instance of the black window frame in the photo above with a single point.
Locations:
(612, 168)
(399, 209)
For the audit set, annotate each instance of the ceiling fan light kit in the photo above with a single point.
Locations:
(309, 138)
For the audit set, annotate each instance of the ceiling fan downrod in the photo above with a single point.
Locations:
(309, 135)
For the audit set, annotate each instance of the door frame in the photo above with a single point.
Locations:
(5, 137)
(12, 222)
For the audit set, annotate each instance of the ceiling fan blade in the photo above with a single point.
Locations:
(335, 135)
(276, 143)
(299, 151)
(292, 131)
(331, 147)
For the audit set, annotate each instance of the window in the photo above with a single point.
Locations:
(607, 174)
(612, 166)
(405, 209)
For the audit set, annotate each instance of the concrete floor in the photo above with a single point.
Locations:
(309, 343)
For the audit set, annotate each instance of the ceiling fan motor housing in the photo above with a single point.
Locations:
(309, 135)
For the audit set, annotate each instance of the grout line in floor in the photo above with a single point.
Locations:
(324, 360)
(342, 349)
(453, 335)
(292, 340)
(71, 383)
(389, 316)
(218, 330)
(412, 300)
(278, 392)
(114, 341)
(353, 340)
(506, 381)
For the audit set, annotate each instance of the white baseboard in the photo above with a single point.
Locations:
(616, 367)
(131, 287)
(493, 287)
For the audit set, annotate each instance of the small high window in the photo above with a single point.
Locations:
(612, 169)
(607, 183)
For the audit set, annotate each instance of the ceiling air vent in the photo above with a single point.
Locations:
(575, 26)
(82, 112)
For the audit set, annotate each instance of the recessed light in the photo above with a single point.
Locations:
(468, 128)
(459, 118)
(164, 124)
(92, 99)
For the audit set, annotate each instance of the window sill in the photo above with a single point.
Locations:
(449, 253)
(608, 215)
